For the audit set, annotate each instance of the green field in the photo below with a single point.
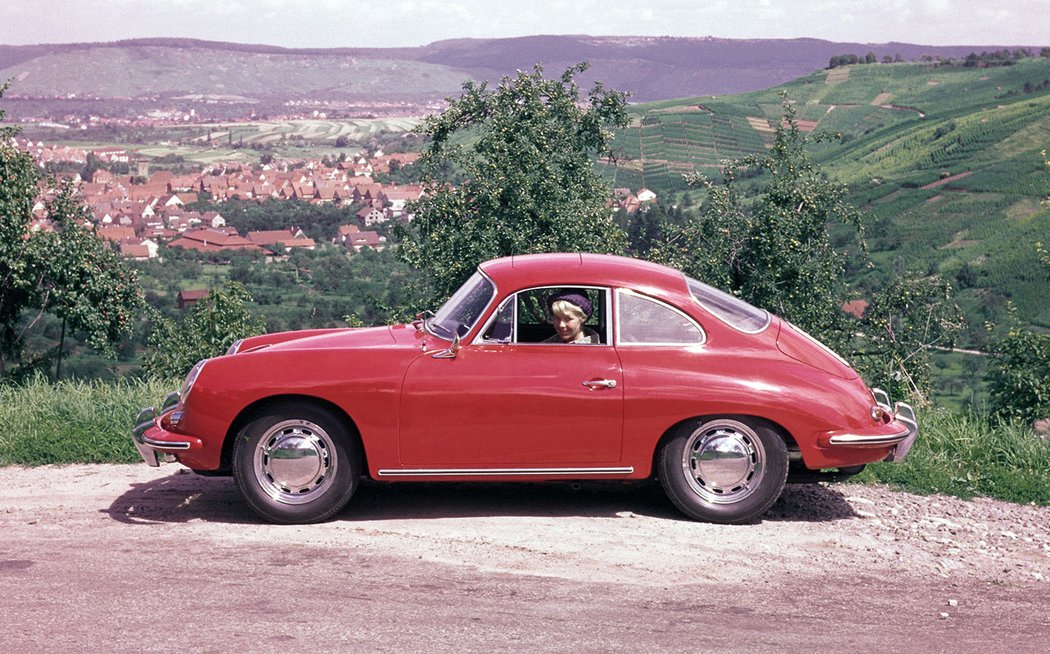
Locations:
(244, 141)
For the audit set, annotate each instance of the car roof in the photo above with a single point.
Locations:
(564, 269)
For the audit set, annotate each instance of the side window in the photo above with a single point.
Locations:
(525, 316)
(644, 321)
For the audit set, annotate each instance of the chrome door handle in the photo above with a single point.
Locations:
(598, 383)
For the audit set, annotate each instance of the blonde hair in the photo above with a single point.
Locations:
(566, 309)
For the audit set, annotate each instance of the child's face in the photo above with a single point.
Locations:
(567, 326)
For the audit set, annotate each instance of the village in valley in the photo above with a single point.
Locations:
(138, 213)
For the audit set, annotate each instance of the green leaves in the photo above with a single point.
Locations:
(904, 320)
(65, 271)
(1019, 375)
(772, 248)
(523, 178)
(209, 328)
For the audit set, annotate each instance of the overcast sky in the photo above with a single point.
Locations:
(383, 23)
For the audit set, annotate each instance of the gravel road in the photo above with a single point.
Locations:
(134, 559)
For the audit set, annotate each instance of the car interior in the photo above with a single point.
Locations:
(533, 323)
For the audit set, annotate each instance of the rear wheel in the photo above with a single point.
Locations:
(295, 464)
(724, 470)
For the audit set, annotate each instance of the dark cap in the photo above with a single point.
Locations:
(572, 297)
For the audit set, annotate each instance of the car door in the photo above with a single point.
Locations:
(508, 400)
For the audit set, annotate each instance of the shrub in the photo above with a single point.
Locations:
(1019, 376)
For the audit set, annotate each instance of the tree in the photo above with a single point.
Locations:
(775, 251)
(63, 270)
(1019, 375)
(209, 329)
(523, 153)
(904, 320)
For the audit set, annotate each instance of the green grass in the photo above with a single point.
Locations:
(965, 455)
(73, 421)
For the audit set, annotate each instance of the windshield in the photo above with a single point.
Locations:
(730, 309)
(463, 309)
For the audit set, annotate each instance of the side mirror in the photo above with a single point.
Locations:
(449, 353)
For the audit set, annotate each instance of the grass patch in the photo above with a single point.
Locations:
(73, 421)
(967, 455)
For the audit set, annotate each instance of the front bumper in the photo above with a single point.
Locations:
(153, 442)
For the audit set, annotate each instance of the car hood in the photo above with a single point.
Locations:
(320, 339)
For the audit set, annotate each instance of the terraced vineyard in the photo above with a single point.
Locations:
(656, 149)
(946, 160)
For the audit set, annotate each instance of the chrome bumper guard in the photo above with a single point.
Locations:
(146, 420)
(904, 414)
(901, 440)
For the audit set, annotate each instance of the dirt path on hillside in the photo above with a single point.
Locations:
(134, 559)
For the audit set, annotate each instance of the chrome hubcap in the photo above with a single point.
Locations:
(295, 462)
(723, 461)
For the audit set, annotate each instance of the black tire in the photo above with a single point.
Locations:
(296, 464)
(723, 469)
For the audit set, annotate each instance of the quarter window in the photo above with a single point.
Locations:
(644, 321)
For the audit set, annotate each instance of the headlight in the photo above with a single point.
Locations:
(187, 383)
(187, 386)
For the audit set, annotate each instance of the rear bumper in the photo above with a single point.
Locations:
(899, 433)
(155, 443)
(904, 414)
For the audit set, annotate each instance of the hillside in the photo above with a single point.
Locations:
(649, 68)
(946, 160)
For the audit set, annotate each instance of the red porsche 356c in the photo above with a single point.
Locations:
(541, 367)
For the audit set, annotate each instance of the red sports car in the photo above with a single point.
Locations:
(541, 367)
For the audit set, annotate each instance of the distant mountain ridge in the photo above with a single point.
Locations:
(650, 68)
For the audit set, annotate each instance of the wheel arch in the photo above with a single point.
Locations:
(275, 402)
(789, 440)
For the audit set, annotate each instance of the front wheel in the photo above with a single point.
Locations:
(724, 470)
(295, 464)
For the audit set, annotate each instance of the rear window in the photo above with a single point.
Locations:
(729, 309)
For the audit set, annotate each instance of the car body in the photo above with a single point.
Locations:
(718, 399)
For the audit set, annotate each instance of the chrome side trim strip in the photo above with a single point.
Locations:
(503, 472)
(862, 439)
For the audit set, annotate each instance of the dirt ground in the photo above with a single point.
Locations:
(129, 558)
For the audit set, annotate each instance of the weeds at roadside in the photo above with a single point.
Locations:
(969, 455)
(72, 421)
